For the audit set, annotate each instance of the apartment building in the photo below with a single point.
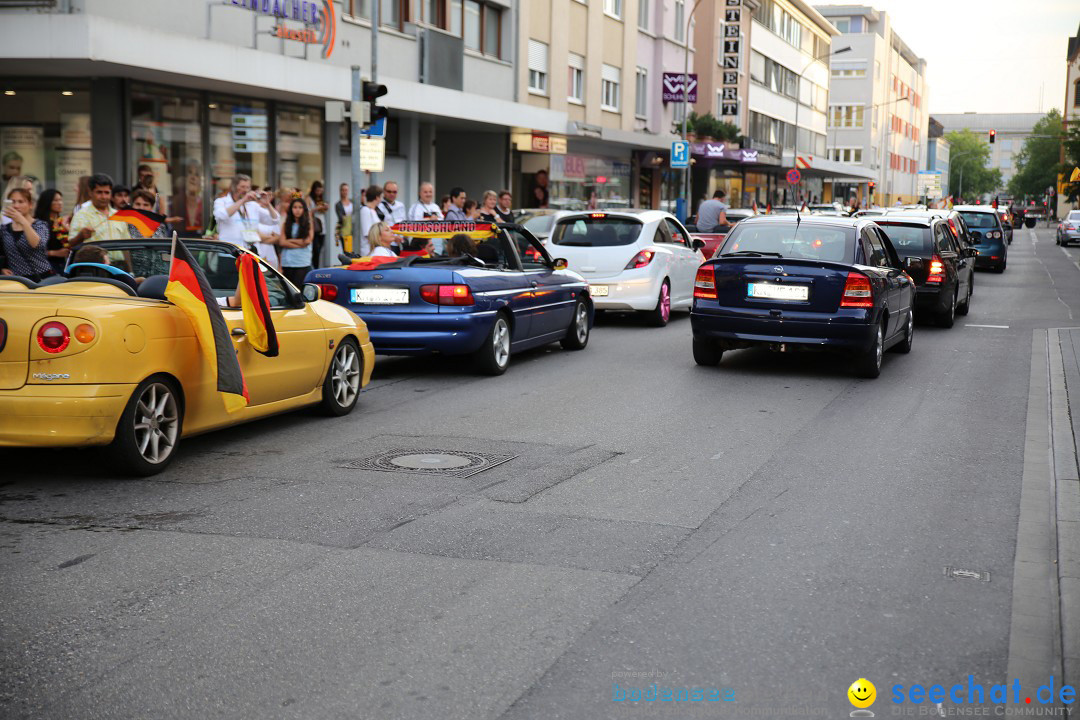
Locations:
(878, 110)
(601, 63)
(1012, 129)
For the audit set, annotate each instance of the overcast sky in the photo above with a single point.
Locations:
(987, 55)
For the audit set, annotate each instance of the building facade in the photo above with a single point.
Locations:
(1071, 116)
(937, 154)
(878, 106)
(763, 65)
(600, 65)
(1012, 129)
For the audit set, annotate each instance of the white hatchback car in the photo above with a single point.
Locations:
(641, 260)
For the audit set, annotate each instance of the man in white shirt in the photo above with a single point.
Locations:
(425, 208)
(239, 215)
(92, 221)
(392, 209)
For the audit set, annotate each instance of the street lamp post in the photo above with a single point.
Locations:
(798, 102)
(685, 108)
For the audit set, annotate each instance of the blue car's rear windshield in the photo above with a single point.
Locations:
(909, 240)
(980, 220)
(807, 241)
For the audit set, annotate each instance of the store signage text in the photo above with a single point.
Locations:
(729, 91)
(318, 14)
(673, 88)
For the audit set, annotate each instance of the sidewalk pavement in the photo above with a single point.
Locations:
(1044, 639)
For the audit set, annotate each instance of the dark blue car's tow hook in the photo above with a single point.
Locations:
(776, 313)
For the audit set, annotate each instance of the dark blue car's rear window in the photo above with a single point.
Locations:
(806, 240)
(909, 239)
(980, 220)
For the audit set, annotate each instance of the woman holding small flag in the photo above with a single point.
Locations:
(142, 221)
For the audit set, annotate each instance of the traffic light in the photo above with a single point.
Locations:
(872, 185)
(372, 112)
(993, 136)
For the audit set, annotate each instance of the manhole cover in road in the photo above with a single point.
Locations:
(961, 574)
(455, 463)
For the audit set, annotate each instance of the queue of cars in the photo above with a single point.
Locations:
(98, 359)
(848, 284)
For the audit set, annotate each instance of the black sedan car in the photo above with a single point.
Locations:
(804, 283)
(942, 267)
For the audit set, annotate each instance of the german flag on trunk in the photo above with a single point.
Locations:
(255, 301)
(144, 221)
(189, 290)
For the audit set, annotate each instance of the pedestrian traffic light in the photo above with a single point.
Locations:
(372, 112)
(993, 136)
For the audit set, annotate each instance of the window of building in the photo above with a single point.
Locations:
(576, 80)
(492, 31)
(877, 69)
(394, 13)
(856, 25)
(472, 24)
(45, 133)
(849, 71)
(1007, 145)
(1076, 94)
(680, 20)
(643, 15)
(456, 18)
(846, 155)
(299, 147)
(609, 87)
(641, 93)
(538, 67)
(613, 8)
(358, 8)
(757, 67)
(1006, 162)
(239, 134)
(843, 24)
(846, 116)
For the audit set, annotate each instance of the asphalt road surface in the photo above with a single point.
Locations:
(773, 527)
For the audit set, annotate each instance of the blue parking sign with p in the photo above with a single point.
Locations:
(680, 154)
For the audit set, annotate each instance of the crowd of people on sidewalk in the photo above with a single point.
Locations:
(38, 235)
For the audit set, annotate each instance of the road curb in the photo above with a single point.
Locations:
(1067, 495)
(1035, 638)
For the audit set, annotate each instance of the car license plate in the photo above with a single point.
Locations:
(380, 296)
(598, 290)
(777, 292)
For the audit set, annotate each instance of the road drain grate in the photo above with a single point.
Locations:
(961, 574)
(454, 463)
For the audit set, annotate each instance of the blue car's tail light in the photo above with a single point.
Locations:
(858, 293)
(327, 291)
(705, 283)
(447, 294)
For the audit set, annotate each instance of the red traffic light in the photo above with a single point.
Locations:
(993, 136)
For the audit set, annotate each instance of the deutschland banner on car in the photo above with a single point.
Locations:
(255, 301)
(189, 290)
(144, 221)
(444, 229)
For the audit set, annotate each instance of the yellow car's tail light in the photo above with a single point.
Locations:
(85, 333)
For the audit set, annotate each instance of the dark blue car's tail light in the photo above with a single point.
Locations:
(328, 291)
(705, 283)
(447, 294)
(858, 293)
(937, 270)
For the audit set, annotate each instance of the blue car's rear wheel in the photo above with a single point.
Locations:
(868, 362)
(577, 335)
(493, 357)
(707, 353)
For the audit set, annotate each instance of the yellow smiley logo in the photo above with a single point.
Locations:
(862, 693)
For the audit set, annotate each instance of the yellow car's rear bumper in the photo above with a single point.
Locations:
(61, 415)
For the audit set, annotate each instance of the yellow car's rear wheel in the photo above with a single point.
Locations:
(149, 430)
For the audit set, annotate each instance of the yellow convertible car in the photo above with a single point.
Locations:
(97, 360)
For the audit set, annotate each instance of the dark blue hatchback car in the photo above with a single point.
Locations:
(809, 282)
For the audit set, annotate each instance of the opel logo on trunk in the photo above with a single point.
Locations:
(779, 270)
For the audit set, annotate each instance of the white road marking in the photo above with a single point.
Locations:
(1067, 253)
(717, 456)
(999, 327)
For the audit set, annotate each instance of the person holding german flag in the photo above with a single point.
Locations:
(142, 221)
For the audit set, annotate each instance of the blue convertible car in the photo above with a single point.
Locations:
(804, 282)
(503, 294)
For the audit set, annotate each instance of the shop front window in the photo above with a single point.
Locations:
(580, 182)
(239, 131)
(166, 154)
(299, 148)
(45, 133)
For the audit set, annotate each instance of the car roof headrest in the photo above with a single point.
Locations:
(153, 287)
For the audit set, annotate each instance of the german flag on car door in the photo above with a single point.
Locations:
(255, 302)
(189, 290)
